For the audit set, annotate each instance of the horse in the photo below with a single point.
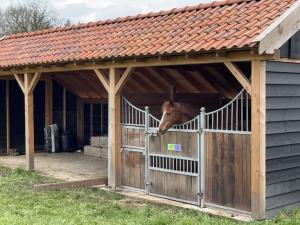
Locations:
(175, 113)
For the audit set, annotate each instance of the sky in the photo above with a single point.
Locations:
(92, 10)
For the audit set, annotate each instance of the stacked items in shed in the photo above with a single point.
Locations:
(98, 147)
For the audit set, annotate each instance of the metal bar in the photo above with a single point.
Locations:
(227, 131)
(242, 112)
(247, 112)
(174, 171)
(173, 157)
(147, 157)
(202, 156)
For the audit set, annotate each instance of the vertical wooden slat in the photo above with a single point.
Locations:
(80, 122)
(91, 119)
(48, 102)
(65, 109)
(7, 117)
(258, 145)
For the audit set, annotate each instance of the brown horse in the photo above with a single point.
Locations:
(175, 113)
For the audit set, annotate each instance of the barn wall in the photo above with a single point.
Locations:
(2, 117)
(282, 136)
(291, 49)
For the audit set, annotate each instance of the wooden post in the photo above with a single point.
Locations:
(65, 109)
(48, 102)
(258, 139)
(114, 87)
(114, 131)
(27, 83)
(80, 123)
(91, 119)
(7, 117)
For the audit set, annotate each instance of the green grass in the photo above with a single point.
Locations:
(20, 205)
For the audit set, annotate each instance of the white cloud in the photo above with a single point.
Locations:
(91, 10)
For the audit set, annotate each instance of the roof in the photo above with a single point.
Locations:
(213, 26)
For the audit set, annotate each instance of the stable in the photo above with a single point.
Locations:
(237, 61)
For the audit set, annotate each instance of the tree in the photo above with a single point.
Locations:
(35, 15)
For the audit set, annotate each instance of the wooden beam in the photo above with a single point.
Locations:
(165, 84)
(258, 140)
(48, 102)
(240, 76)
(280, 31)
(20, 80)
(162, 73)
(126, 75)
(206, 75)
(145, 81)
(181, 79)
(201, 58)
(33, 81)
(102, 78)
(7, 116)
(70, 184)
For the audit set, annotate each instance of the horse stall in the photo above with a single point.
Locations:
(236, 63)
(206, 159)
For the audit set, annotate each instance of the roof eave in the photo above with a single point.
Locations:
(280, 31)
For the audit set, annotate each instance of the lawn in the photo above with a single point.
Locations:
(20, 205)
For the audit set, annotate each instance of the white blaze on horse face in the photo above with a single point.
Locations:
(162, 118)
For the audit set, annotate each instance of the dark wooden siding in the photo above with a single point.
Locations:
(2, 116)
(291, 49)
(283, 136)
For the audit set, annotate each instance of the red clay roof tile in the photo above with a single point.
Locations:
(204, 27)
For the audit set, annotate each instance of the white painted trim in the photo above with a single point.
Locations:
(269, 46)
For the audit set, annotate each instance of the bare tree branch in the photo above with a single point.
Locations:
(35, 15)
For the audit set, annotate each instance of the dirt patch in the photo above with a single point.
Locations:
(64, 166)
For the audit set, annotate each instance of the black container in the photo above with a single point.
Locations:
(66, 142)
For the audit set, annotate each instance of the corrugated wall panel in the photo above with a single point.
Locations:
(283, 136)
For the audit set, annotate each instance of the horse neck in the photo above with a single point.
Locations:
(188, 112)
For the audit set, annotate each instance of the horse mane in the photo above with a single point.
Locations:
(185, 108)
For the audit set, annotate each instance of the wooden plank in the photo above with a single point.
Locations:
(228, 170)
(91, 120)
(64, 109)
(7, 117)
(80, 122)
(258, 140)
(283, 175)
(71, 184)
(240, 76)
(283, 187)
(20, 80)
(48, 102)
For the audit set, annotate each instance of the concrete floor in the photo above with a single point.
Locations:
(64, 166)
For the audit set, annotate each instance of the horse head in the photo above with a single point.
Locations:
(170, 115)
